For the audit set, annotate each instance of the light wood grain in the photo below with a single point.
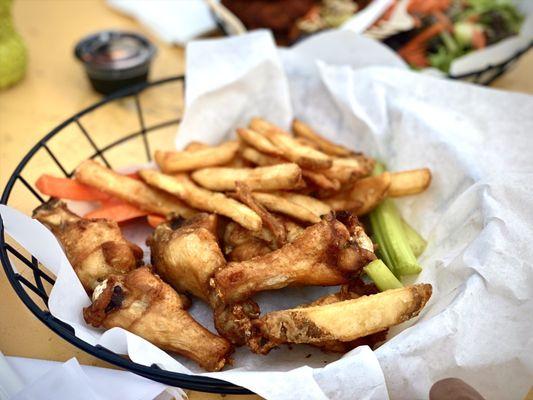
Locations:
(56, 87)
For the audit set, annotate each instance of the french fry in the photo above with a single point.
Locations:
(179, 161)
(193, 146)
(316, 206)
(256, 157)
(261, 126)
(348, 170)
(306, 142)
(277, 203)
(181, 186)
(366, 315)
(275, 226)
(301, 129)
(276, 177)
(365, 194)
(321, 181)
(304, 156)
(130, 190)
(405, 183)
(258, 141)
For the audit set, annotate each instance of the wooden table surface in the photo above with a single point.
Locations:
(54, 88)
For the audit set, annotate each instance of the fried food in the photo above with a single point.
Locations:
(256, 157)
(143, 304)
(258, 141)
(244, 194)
(280, 204)
(186, 254)
(321, 181)
(344, 320)
(130, 190)
(409, 182)
(305, 156)
(95, 248)
(276, 177)
(348, 170)
(363, 196)
(324, 254)
(179, 161)
(316, 206)
(181, 185)
(261, 126)
(303, 130)
(193, 146)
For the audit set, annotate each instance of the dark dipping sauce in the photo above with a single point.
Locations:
(114, 60)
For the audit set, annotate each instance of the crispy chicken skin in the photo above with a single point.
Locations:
(94, 247)
(326, 254)
(142, 303)
(342, 321)
(186, 254)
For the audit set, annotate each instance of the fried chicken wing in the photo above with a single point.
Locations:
(342, 321)
(142, 303)
(326, 254)
(94, 247)
(186, 256)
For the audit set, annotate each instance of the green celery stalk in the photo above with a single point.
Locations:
(382, 276)
(377, 237)
(388, 223)
(416, 242)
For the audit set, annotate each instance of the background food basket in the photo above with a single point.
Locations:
(85, 134)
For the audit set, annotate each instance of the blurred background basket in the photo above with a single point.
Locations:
(89, 136)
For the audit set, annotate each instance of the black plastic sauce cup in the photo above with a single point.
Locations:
(114, 59)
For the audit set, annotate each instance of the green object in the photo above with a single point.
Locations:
(382, 276)
(416, 242)
(391, 237)
(13, 55)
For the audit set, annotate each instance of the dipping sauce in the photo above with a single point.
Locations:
(115, 59)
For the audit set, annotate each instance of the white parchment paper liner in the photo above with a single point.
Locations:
(477, 216)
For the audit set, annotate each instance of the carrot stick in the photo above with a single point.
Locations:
(119, 212)
(70, 189)
(154, 220)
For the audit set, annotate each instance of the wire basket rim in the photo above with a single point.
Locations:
(65, 331)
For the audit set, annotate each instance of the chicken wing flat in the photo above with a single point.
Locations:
(186, 255)
(142, 303)
(326, 254)
(94, 247)
(343, 321)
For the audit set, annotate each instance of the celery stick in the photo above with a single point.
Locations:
(377, 237)
(417, 242)
(379, 168)
(382, 276)
(387, 223)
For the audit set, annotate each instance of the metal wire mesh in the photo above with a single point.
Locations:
(32, 282)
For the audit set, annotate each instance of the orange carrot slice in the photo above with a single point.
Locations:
(116, 211)
(154, 220)
(70, 189)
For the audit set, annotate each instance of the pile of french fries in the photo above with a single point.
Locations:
(303, 176)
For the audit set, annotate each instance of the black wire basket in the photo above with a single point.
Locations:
(31, 280)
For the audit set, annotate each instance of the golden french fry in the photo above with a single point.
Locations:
(316, 206)
(307, 142)
(366, 315)
(276, 177)
(181, 186)
(130, 190)
(349, 169)
(179, 161)
(261, 126)
(405, 183)
(303, 130)
(277, 203)
(256, 157)
(258, 141)
(304, 156)
(365, 194)
(321, 181)
(193, 146)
